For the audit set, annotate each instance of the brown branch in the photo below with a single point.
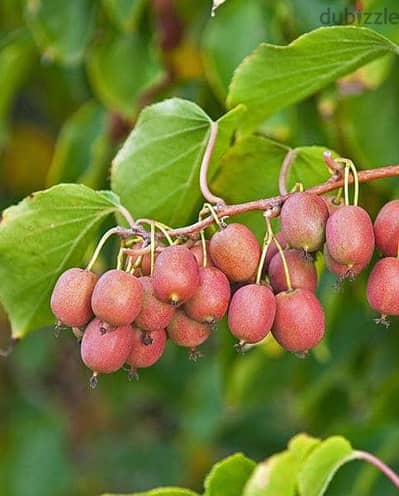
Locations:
(273, 204)
(277, 201)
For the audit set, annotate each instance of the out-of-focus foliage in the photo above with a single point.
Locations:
(73, 78)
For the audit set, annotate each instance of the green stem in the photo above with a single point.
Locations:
(204, 250)
(101, 243)
(152, 248)
(285, 264)
(208, 207)
(266, 243)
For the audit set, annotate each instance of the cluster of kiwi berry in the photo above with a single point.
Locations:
(128, 315)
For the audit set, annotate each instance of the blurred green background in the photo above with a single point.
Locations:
(73, 76)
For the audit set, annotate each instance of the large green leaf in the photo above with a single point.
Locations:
(322, 464)
(273, 77)
(118, 89)
(228, 477)
(156, 173)
(124, 13)
(82, 148)
(251, 168)
(162, 491)
(39, 238)
(221, 34)
(17, 55)
(61, 29)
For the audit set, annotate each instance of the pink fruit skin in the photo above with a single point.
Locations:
(154, 314)
(302, 220)
(187, 332)
(272, 250)
(105, 353)
(303, 272)
(117, 298)
(386, 229)
(142, 355)
(251, 313)
(197, 251)
(176, 274)
(350, 236)
(236, 252)
(74, 310)
(340, 270)
(211, 300)
(299, 323)
(383, 286)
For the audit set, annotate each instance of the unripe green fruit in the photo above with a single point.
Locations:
(303, 219)
(383, 286)
(198, 253)
(71, 297)
(236, 252)
(176, 275)
(154, 314)
(105, 353)
(350, 236)
(117, 298)
(302, 271)
(251, 313)
(187, 332)
(386, 229)
(272, 250)
(299, 323)
(340, 270)
(332, 203)
(144, 355)
(211, 299)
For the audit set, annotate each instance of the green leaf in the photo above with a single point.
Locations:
(82, 150)
(229, 476)
(301, 445)
(119, 89)
(250, 169)
(322, 464)
(124, 13)
(17, 55)
(156, 173)
(277, 476)
(162, 491)
(61, 29)
(221, 34)
(39, 238)
(273, 77)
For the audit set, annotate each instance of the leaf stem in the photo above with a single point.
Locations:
(285, 167)
(206, 159)
(127, 215)
(387, 471)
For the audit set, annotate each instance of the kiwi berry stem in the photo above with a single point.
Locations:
(338, 197)
(208, 207)
(266, 243)
(206, 159)
(284, 261)
(101, 243)
(350, 167)
(204, 250)
(152, 248)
